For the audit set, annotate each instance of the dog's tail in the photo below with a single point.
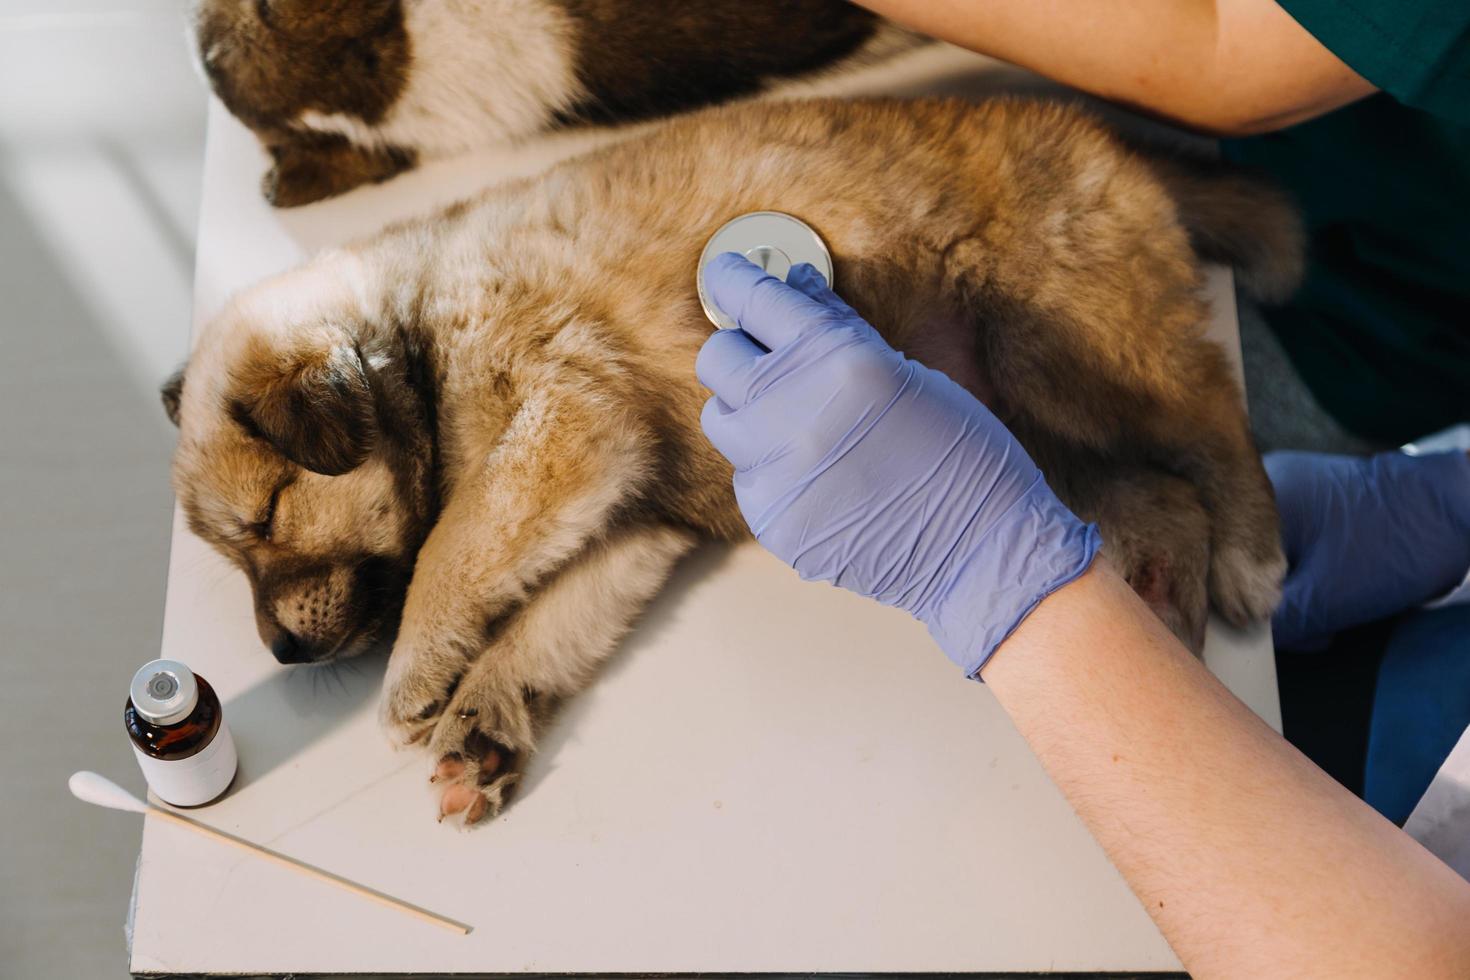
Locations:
(1240, 219)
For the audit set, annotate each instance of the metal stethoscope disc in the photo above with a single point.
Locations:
(772, 240)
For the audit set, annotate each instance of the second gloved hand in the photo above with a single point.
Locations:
(861, 467)
(1366, 538)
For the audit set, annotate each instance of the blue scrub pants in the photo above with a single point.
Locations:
(1421, 707)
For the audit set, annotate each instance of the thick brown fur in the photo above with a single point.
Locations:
(534, 453)
(653, 59)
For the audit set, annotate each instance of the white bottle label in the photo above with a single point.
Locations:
(195, 780)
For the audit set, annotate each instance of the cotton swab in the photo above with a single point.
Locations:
(89, 787)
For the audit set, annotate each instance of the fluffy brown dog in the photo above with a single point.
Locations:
(481, 430)
(344, 92)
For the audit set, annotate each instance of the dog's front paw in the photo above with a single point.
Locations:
(416, 690)
(324, 165)
(481, 744)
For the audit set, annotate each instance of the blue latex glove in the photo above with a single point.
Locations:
(1366, 538)
(860, 467)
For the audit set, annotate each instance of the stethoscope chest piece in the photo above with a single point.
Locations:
(772, 240)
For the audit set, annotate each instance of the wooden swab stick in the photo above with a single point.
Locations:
(101, 791)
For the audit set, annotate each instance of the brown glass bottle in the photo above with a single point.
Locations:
(177, 726)
(181, 739)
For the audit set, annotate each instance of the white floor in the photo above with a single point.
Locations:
(101, 146)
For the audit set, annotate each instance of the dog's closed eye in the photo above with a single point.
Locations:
(264, 526)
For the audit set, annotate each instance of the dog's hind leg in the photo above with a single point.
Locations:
(1155, 531)
(1121, 369)
(546, 651)
(1212, 447)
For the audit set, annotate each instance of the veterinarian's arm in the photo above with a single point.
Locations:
(1252, 861)
(1232, 67)
(897, 484)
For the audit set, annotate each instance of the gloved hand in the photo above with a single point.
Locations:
(1366, 538)
(860, 467)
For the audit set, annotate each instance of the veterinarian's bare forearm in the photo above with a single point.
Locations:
(1252, 861)
(1223, 66)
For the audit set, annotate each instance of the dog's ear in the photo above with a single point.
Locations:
(315, 407)
(171, 393)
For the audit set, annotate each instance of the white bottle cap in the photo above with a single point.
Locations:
(164, 692)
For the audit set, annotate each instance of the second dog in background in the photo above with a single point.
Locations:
(347, 92)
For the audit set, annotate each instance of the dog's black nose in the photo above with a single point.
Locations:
(288, 649)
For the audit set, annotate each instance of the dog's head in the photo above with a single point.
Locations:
(313, 79)
(305, 456)
(271, 60)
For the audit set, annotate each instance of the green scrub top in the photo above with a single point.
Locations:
(1380, 331)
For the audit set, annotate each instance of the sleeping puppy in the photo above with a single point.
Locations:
(345, 92)
(477, 434)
